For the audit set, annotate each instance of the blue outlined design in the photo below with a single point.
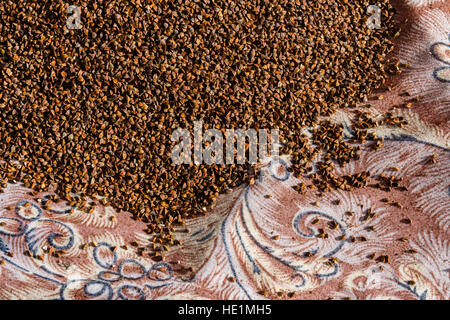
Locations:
(90, 288)
(438, 58)
(22, 228)
(413, 290)
(66, 211)
(332, 273)
(104, 286)
(3, 246)
(227, 251)
(21, 204)
(256, 269)
(48, 279)
(267, 250)
(312, 234)
(132, 261)
(208, 236)
(274, 174)
(436, 44)
(299, 275)
(437, 77)
(16, 265)
(140, 292)
(35, 229)
(33, 236)
(99, 261)
(102, 276)
(196, 233)
(51, 272)
(158, 266)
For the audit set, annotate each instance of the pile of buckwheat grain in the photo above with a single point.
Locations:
(92, 111)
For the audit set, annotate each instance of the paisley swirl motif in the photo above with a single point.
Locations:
(132, 270)
(414, 288)
(128, 269)
(96, 288)
(313, 234)
(110, 276)
(253, 257)
(86, 289)
(57, 234)
(327, 270)
(426, 272)
(104, 272)
(160, 272)
(8, 228)
(28, 211)
(371, 284)
(425, 50)
(262, 254)
(131, 292)
(279, 170)
(104, 256)
(441, 51)
(60, 210)
(3, 246)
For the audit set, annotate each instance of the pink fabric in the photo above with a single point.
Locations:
(264, 236)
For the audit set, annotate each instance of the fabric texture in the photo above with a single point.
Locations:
(262, 241)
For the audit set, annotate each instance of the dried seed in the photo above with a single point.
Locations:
(406, 221)
(383, 259)
(371, 256)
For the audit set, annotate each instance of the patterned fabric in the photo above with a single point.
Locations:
(263, 241)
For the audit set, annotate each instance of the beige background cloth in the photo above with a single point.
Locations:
(264, 236)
